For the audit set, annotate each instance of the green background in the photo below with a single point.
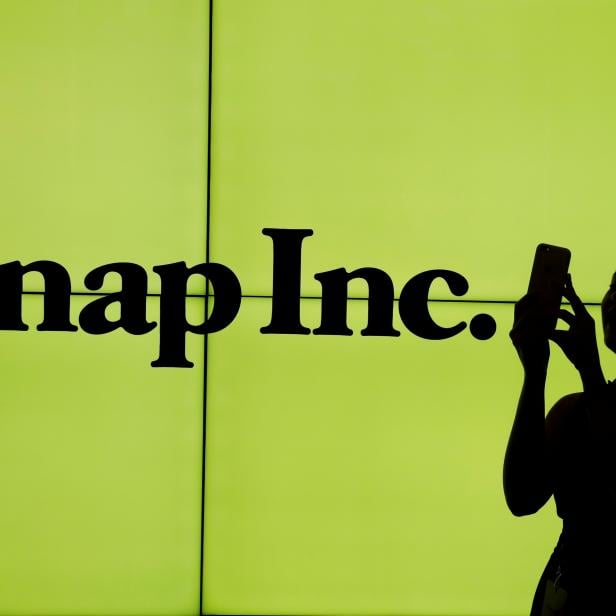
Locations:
(344, 475)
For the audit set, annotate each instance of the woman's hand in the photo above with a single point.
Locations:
(530, 334)
(579, 342)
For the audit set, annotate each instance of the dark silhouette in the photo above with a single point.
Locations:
(569, 454)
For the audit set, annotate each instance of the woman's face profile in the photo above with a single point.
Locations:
(608, 315)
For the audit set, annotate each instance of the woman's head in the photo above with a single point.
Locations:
(608, 315)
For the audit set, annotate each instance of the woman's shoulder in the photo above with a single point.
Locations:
(563, 412)
(568, 402)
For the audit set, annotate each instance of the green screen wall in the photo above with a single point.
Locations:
(339, 474)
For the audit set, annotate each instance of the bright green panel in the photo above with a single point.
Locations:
(103, 118)
(100, 468)
(415, 134)
(358, 475)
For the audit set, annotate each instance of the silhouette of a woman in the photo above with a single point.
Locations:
(569, 454)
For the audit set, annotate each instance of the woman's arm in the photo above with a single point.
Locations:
(526, 477)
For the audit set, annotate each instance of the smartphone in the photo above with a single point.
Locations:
(548, 277)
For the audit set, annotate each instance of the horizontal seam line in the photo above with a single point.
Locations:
(307, 297)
